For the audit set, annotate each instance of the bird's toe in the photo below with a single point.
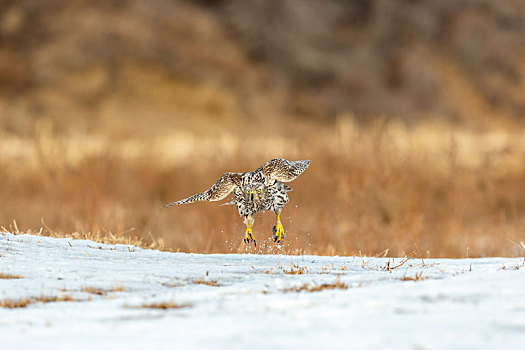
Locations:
(248, 237)
(278, 232)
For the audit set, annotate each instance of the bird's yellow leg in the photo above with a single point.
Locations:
(278, 231)
(248, 237)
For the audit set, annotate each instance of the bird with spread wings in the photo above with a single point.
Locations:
(257, 191)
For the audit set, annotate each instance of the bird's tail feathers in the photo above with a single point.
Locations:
(172, 204)
(195, 198)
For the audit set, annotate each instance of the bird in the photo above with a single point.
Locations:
(257, 191)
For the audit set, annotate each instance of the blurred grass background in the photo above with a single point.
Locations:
(413, 114)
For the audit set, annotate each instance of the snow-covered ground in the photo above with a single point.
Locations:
(463, 303)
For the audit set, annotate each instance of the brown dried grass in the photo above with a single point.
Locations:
(173, 285)
(163, 306)
(102, 291)
(317, 288)
(212, 283)
(54, 299)
(14, 304)
(23, 302)
(445, 189)
(296, 270)
(415, 278)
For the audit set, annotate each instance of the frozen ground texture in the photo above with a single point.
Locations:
(463, 304)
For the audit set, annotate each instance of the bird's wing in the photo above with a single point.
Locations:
(223, 187)
(284, 170)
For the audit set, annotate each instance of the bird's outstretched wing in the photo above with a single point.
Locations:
(284, 170)
(222, 188)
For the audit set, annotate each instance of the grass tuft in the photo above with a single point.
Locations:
(332, 267)
(173, 285)
(417, 277)
(164, 306)
(23, 302)
(13, 304)
(212, 283)
(102, 291)
(296, 270)
(54, 299)
(317, 288)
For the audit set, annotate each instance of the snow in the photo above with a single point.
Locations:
(458, 303)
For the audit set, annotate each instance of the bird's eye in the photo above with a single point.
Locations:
(259, 191)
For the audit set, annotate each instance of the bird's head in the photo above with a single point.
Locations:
(255, 193)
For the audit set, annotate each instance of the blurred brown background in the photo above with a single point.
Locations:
(413, 113)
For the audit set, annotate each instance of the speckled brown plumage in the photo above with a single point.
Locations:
(257, 191)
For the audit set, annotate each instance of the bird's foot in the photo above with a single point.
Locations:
(248, 237)
(278, 232)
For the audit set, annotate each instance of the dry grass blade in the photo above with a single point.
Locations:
(172, 285)
(328, 269)
(296, 270)
(54, 299)
(389, 267)
(163, 306)
(13, 304)
(212, 283)
(417, 277)
(93, 290)
(7, 276)
(116, 288)
(23, 302)
(317, 288)
(102, 291)
(520, 245)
